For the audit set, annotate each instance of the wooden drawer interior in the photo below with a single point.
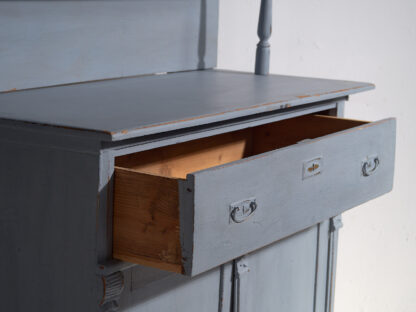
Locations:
(176, 161)
(146, 200)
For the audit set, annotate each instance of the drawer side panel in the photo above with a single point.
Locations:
(146, 220)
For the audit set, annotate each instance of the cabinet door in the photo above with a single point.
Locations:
(290, 275)
(295, 274)
(153, 290)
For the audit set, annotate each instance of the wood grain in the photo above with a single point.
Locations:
(291, 131)
(178, 160)
(146, 220)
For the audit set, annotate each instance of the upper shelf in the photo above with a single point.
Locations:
(131, 107)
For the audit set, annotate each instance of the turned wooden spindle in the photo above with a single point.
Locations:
(264, 32)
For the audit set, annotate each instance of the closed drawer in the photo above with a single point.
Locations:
(193, 206)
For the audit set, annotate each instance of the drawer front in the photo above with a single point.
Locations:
(233, 209)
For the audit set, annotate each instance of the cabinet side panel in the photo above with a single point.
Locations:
(47, 228)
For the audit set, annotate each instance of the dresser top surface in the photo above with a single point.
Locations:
(137, 106)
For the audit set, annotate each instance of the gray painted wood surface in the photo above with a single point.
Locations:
(55, 184)
(287, 203)
(54, 42)
(47, 224)
(57, 169)
(130, 107)
(290, 274)
(150, 291)
(334, 225)
(264, 32)
(182, 135)
(282, 275)
(147, 282)
(324, 246)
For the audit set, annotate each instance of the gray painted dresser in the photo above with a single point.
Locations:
(137, 177)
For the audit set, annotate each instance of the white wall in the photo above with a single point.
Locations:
(362, 40)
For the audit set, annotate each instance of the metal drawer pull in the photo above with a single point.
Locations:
(370, 166)
(241, 210)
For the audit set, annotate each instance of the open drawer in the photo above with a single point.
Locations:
(192, 206)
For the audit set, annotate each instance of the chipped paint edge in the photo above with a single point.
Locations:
(235, 113)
